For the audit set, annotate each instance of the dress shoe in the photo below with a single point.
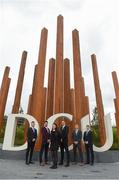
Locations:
(67, 165)
(53, 167)
(31, 162)
(87, 163)
(47, 163)
(42, 164)
(61, 163)
(91, 164)
(27, 163)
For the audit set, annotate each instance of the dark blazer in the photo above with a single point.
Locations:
(31, 135)
(64, 133)
(88, 137)
(54, 138)
(78, 136)
(45, 135)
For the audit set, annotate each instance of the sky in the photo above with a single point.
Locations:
(21, 22)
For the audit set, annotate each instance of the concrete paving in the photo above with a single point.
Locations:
(17, 169)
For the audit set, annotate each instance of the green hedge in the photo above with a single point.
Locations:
(96, 139)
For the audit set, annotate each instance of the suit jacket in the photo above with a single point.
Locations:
(31, 134)
(88, 137)
(45, 135)
(77, 136)
(64, 134)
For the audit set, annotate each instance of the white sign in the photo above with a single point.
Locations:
(10, 131)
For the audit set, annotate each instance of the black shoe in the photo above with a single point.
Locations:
(31, 162)
(87, 163)
(42, 164)
(91, 164)
(61, 163)
(67, 165)
(53, 167)
(27, 163)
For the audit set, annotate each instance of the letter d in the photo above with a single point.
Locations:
(10, 131)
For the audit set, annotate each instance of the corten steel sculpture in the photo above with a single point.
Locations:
(50, 91)
(58, 97)
(116, 100)
(81, 101)
(59, 76)
(38, 92)
(4, 93)
(19, 87)
(99, 102)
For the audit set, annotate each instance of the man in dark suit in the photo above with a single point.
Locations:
(77, 142)
(88, 140)
(45, 142)
(64, 130)
(31, 139)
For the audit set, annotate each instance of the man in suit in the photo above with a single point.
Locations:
(31, 139)
(88, 140)
(64, 130)
(77, 140)
(45, 143)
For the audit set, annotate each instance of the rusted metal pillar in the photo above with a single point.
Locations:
(50, 91)
(116, 100)
(4, 94)
(20, 81)
(59, 86)
(80, 98)
(38, 85)
(99, 101)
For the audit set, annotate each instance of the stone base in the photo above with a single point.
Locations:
(104, 157)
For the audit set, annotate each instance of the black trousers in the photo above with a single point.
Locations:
(44, 149)
(64, 146)
(54, 155)
(29, 151)
(89, 153)
(77, 147)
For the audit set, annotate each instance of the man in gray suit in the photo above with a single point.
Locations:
(77, 139)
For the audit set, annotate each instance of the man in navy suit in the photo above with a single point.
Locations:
(88, 140)
(77, 141)
(31, 139)
(64, 130)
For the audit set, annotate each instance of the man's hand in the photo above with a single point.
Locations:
(48, 140)
(33, 139)
(75, 142)
(86, 142)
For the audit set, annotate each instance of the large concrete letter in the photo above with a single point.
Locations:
(10, 131)
(109, 134)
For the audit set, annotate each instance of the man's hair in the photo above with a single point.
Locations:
(32, 121)
(46, 121)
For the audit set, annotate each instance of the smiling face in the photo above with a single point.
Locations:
(45, 124)
(87, 127)
(54, 126)
(63, 123)
(76, 126)
(33, 124)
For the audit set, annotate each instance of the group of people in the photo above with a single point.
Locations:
(58, 138)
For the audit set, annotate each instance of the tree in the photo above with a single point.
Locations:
(94, 120)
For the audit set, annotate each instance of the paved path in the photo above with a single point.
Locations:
(16, 169)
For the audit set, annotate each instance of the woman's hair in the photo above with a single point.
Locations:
(55, 125)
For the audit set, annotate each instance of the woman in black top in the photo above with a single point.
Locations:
(54, 138)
